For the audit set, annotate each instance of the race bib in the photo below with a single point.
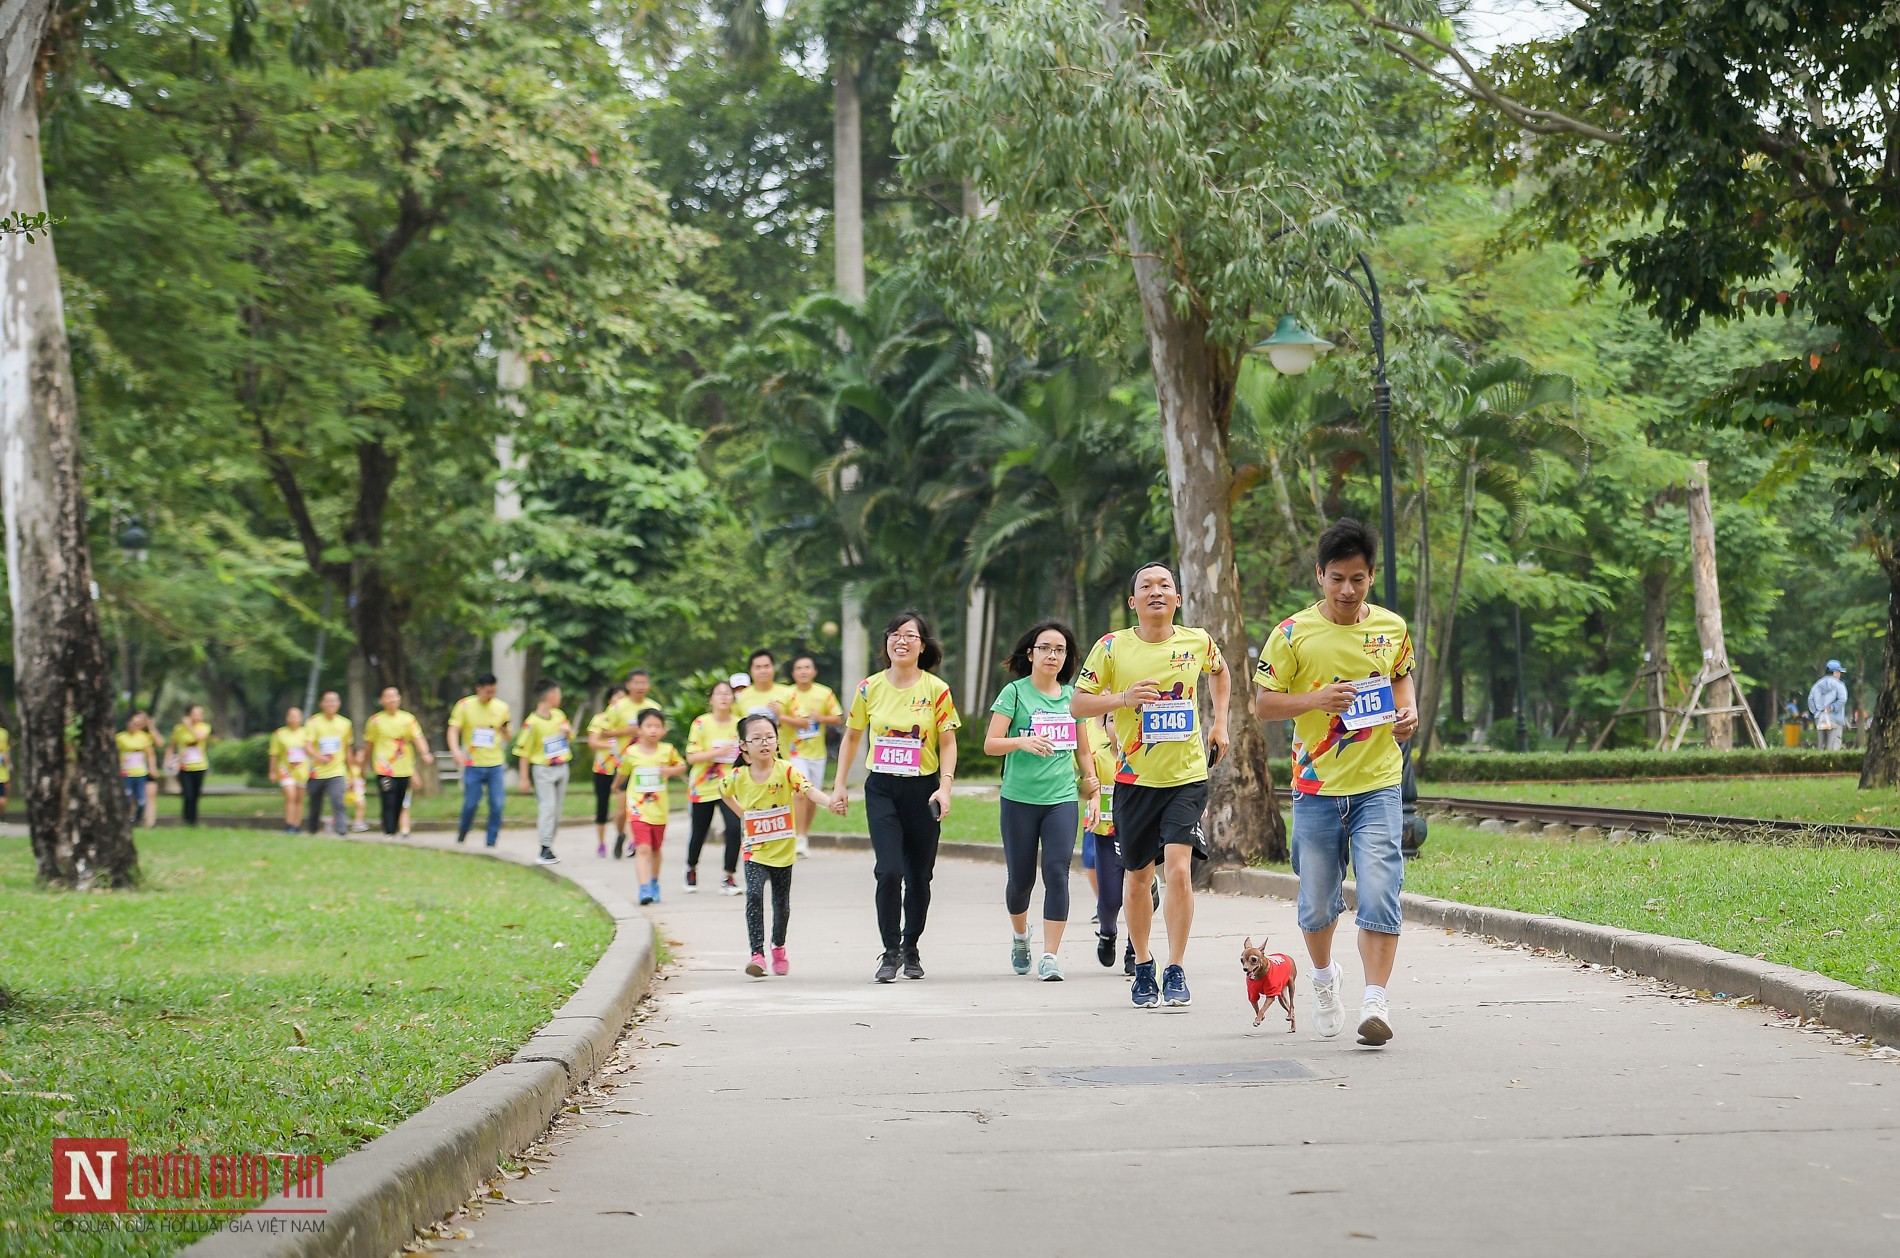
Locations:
(192, 757)
(329, 746)
(1374, 705)
(727, 753)
(762, 825)
(903, 757)
(555, 748)
(646, 778)
(1167, 721)
(1057, 727)
(295, 755)
(132, 763)
(808, 731)
(484, 737)
(1105, 805)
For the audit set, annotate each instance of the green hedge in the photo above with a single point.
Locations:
(1501, 766)
(247, 756)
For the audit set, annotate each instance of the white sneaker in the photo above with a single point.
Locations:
(1375, 1021)
(803, 847)
(1328, 1014)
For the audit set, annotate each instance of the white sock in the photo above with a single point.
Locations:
(1023, 935)
(1326, 974)
(1375, 991)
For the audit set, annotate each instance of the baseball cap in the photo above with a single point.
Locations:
(1834, 666)
(739, 681)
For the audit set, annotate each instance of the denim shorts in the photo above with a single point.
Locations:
(1367, 829)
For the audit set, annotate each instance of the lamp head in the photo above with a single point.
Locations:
(1292, 349)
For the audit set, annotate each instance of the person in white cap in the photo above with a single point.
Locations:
(1827, 703)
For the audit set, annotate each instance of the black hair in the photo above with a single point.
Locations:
(544, 685)
(931, 655)
(640, 717)
(805, 655)
(750, 717)
(1153, 563)
(1345, 538)
(326, 694)
(753, 658)
(721, 682)
(486, 679)
(386, 689)
(638, 672)
(1018, 664)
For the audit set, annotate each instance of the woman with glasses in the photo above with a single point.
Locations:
(1045, 751)
(905, 713)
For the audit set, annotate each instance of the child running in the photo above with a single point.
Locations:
(1098, 848)
(606, 748)
(761, 790)
(646, 765)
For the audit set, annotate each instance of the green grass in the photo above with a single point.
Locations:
(444, 805)
(1830, 909)
(262, 993)
(1832, 798)
(970, 820)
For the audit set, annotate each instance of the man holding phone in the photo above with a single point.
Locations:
(1149, 678)
(1342, 672)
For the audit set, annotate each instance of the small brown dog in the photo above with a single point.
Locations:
(1270, 977)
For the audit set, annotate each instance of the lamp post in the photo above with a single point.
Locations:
(1292, 350)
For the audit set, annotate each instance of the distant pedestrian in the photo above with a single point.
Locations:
(331, 741)
(478, 739)
(544, 751)
(190, 759)
(138, 766)
(1828, 702)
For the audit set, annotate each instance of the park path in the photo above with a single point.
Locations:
(1527, 1105)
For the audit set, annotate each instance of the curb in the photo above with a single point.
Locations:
(426, 1166)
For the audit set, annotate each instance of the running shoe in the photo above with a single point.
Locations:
(1145, 994)
(756, 966)
(780, 965)
(1128, 958)
(803, 846)
(729, 887)
(1019, 954)
(692, 880)
(655, 884)
(1105, 949)
(600, 850)
(913, 964)
(1328, 1014)
(402, 834)
(462, 838)
(646, 894)
(1174, 989)
(1375, 1021)
(887, 967)
(1049, 970)
(547, 857)
(620, 845)
(293, 829)
(360, 827)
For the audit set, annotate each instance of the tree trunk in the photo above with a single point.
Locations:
(1708, 605)
(1881, 765)
(1431, 686)
(1655, 645)
(847, 250)
(68, 770)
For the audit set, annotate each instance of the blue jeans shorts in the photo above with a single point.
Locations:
(1367, 829)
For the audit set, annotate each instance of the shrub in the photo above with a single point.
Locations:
(249, 757)
(1499, 766)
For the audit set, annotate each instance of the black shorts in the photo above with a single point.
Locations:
(1148, 818)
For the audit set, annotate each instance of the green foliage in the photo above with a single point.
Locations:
(1502, 766)
(248, 757)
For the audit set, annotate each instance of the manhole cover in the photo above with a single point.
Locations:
(1279, 1070)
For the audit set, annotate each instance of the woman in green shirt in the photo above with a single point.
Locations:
(1044, 749)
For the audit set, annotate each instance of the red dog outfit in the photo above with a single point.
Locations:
(1279, 974)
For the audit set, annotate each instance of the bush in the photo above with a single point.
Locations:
(1499, 766)
(249, 757)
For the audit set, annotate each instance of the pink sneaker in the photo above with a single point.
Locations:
(756, 966)
(601, 851)
(779, 964)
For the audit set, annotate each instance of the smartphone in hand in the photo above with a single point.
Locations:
(936, 810)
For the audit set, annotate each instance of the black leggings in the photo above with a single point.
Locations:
(603, 797)
(1048, 830)
(1109, 880)
(756, 876)
(393, 792)
(191, 784)
(904, 837)
(703, 812)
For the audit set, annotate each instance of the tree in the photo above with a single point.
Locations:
(77, 812)
(1209, 152)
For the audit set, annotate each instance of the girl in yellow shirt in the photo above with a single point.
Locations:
(290, 766)
(644, 768)
(190, 752)
(138, 762)
(712, 747)
(762, 790)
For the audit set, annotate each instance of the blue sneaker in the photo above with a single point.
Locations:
(1146, 995)
(1174, 986)
(646, 893)
(653, 889)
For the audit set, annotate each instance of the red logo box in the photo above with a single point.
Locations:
(89, 1175)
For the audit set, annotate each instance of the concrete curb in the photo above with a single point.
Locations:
(427, 1166)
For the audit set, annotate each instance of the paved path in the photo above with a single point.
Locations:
(1526, 1106)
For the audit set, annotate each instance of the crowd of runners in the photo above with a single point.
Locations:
(1109, 744)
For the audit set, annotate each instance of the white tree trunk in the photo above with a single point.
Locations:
(508, 661)
(76, 808)
(847, 186)
(1708, 603)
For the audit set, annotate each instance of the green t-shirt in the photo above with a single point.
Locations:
(1027, 777)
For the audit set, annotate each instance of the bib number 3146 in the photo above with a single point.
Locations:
(1167, 721)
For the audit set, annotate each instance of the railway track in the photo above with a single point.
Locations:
(1661, 822)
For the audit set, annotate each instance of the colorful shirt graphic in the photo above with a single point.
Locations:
(1308, 651)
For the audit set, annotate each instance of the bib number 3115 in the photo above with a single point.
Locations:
(1374, 706)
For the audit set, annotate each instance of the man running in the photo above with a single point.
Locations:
(1149, 677)
(764, 693)
(331, 740)
(478, 739)
(1342, 672)
(812, 706)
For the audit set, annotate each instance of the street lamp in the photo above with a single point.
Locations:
(134, 544)
(1292, 349)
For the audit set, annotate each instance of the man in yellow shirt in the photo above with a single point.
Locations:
(809, 709)
(395, 737)
(478, 739)
(1341, 671)
(330, 743)
(1149, 677)
(545, 752)
(764, 694)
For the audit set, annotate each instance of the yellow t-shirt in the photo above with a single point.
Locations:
(706, 733)
(760, 699)
(391, 739)
(480, 725)
(626, 712)
(819, 700)
(646, 788)
(607, 761)
(903, 726)
(1308, 651)
(189, 744)
(329, 736)
(6, 757)
(1104, 757)
(291, 748)
(1160, 743)
(136, 753)
(765, 811)
(545, 739)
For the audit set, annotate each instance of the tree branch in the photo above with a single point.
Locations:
(299, 508)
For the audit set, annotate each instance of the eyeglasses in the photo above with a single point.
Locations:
(1055, 649)
(902, 637)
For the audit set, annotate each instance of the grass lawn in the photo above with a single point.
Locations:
(262, 994)
(444, 805)
(1830, 797)
(1830, 909)
(970, 820)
